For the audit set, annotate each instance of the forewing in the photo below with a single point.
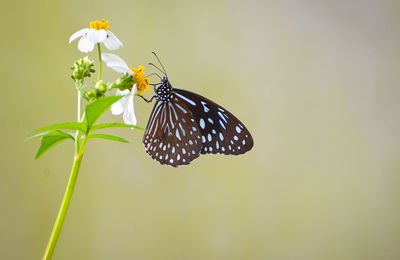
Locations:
(172, 136)
(221, 131)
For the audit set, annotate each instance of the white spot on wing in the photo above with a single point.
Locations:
(222, 116)
(181, 108)
(177, 135)
(222, 124)
(186, 99)
(238, 130)
(206, 109)
(202, 123)
(183, 130)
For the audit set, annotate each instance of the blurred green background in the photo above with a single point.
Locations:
(316, 82)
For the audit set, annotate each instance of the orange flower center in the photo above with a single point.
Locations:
(142, 83)
(103, 24)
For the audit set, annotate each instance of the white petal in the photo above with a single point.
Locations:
(85, 44)
(123, 70)
(116, 63)
(112, 42)
(78, 34)
(129, 112)
(118, 107)
(123, 92)
(97, 36)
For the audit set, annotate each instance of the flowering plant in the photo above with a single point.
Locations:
(132, 82)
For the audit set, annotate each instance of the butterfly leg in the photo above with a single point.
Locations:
(147, 100)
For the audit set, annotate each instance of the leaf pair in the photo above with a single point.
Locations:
(93, 112)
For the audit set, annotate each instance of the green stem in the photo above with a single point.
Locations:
(79, 105)
(100, 62)
(78, 134)
(66, 201)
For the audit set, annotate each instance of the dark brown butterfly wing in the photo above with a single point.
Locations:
(172, 135)
(221, 131)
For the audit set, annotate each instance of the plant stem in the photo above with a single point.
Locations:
(78, 134)
(100, 62)
(79, 105)
(51, 245)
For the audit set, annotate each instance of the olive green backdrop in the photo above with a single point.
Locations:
(316, 82)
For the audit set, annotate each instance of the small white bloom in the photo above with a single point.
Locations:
(142, 83)
(125, 106)
(116, 63)
(97, 33)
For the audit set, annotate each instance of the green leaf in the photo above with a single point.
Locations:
(109, 137)
(67, 125)
(98, 107)
(108, 125)
(42, 134)
(51, 139)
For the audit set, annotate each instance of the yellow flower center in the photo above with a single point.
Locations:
(100, 25)
(142, 83)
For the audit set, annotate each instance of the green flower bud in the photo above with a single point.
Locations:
(82, 68)
(124, 82)
(92, 95)
(101, 86)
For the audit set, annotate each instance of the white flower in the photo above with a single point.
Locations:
(125, 106)
(142, 83)
(116, 63)
(97, 33)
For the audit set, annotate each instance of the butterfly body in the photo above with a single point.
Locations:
(164, 92)
(184, 125)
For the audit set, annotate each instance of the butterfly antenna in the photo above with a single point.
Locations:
(165, 72)
(154, 74)
(157, 68)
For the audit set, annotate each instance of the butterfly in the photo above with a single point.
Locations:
(183, 125)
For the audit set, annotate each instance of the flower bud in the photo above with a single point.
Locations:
(92, 95)
(124, 82)
(82, 68)
(101, 86)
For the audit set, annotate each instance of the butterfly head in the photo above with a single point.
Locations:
(164, 91)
